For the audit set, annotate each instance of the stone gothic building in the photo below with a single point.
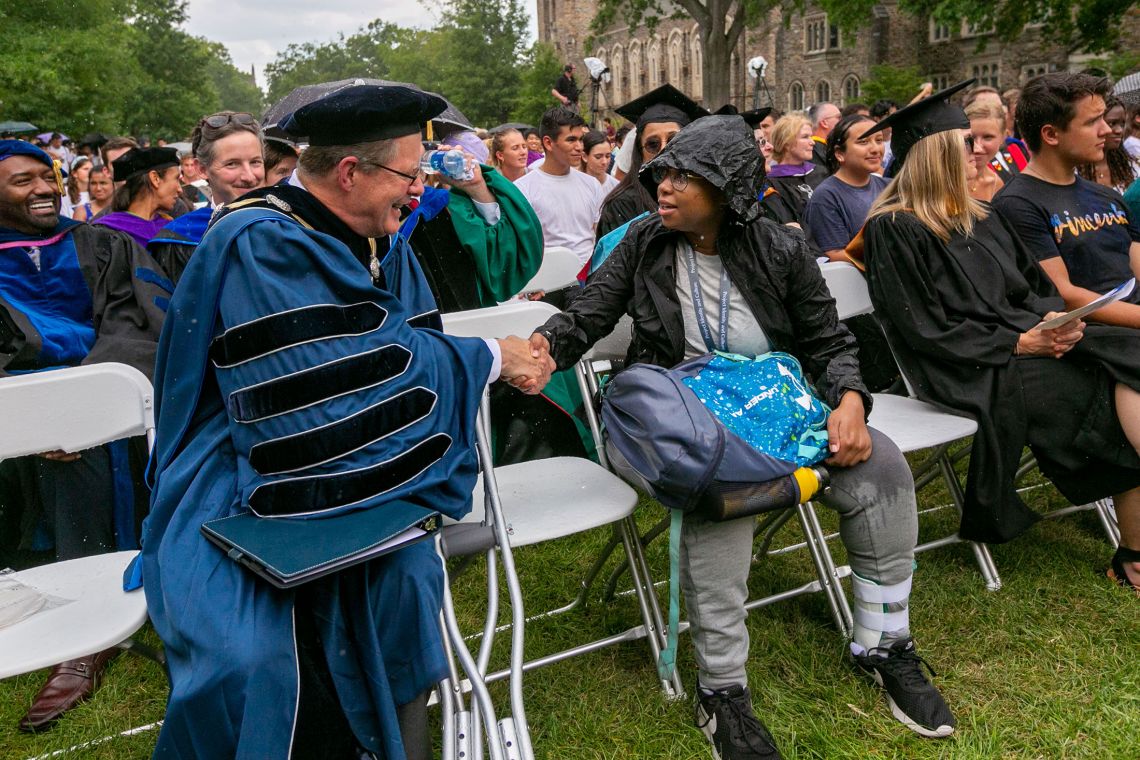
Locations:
(810, 60)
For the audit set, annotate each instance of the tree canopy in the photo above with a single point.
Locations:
(477, 56)
(114, 66)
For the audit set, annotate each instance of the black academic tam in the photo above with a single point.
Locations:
(364, 113)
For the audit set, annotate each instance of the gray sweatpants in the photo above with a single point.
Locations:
(878, 524)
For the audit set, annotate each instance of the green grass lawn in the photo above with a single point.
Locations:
(1047, 667)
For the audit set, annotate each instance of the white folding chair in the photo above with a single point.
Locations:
(73, 410)
(912, 424)
(521, 505)
(559, 269)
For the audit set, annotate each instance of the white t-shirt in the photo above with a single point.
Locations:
(568, 206)
(608, 184)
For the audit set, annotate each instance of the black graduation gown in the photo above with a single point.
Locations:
(953, 312)
(793, 194)
(622, 205)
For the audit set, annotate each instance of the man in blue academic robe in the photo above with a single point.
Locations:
(301, 374)
(70, 294)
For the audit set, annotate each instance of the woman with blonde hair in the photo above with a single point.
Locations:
(987, 133)
(793, 176)
(962, 304)
(509, 153)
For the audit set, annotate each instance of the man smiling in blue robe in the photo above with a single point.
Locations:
(70, 294)
(299, 376)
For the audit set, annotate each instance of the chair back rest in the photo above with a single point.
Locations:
(848, 288)
(614, 346)
(73, 409)
(559, 269)
(519, 318)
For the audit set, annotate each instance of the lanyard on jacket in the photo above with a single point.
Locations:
(699, 303)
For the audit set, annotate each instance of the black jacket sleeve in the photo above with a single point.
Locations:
(596, 311)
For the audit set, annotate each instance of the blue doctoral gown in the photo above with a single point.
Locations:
(289, 383)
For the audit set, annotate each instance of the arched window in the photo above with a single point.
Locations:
(617, 75)
(796, 97)
(698, 68)
(850, 89)
(636, 70)
(653, 60)
(822, 91)
(676, 60)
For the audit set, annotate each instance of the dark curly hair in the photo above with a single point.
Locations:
(1120, 171)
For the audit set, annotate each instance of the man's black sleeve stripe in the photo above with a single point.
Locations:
(267, 335)
(321, 493)
(314, 447)
(312, 386)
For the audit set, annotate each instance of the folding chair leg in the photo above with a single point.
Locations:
(611, 584)
(981, 552)
(646, 595)
(1105, 510)
(825, 569)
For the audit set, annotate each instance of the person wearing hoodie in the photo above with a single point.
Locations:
(706, 245)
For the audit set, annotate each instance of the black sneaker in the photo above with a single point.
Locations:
(736, 733)
(914, 700)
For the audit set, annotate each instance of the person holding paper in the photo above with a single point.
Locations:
(1080, 232)
(301, 375)
(961, 300)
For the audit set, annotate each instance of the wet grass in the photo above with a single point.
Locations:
(1048, 667)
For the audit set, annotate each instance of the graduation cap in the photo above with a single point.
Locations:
(666, 103)
(9, 148)
(364, 113)
(922, 119)
(138, 160)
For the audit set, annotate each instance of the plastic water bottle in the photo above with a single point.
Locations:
(450, 163)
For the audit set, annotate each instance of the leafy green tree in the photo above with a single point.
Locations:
(365, 54)
(236, 90)
(57, 55)
(897, 83)
(540, 68)
(486, 42)
(171, 92)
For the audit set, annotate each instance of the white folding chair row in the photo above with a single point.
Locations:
(912, 424)
(72, 410)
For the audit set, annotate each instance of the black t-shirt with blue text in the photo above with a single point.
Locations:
(1086, 224)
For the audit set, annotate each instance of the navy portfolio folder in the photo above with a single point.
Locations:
(289, 552)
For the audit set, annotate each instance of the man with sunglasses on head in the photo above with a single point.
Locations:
(227, 151)
(303, 374)
(566, 200)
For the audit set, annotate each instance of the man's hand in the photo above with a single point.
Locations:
(1055, 343)
(476, 187)
(60, 456)
(525, 365)
(847, 434)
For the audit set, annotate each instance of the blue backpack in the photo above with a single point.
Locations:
(721, 436)
(708, 435)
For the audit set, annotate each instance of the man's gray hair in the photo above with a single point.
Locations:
(319, 160)
(815, 112)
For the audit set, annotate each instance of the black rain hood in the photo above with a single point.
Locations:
(722, 150)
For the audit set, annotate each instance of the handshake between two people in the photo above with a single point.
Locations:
(527, 364)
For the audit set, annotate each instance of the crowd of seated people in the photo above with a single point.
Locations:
(969, 236)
